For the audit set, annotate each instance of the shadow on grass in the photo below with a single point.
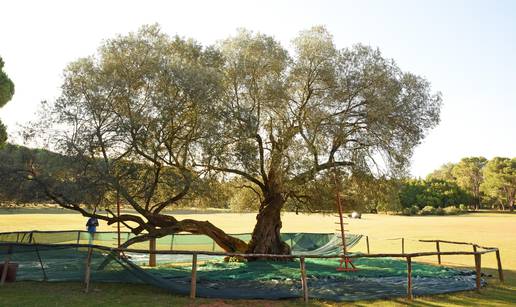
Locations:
(119, 294)
(494, 294)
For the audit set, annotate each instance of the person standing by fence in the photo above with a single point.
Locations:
(91, 226)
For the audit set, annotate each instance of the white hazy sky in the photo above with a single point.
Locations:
(466, 49)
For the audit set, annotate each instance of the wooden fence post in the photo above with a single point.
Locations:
(403, 245)
(367, 242)
(152, 255)
(500, 270)
(304, 284)
(6, 265)
(409, 278)
(478, 266)
(438, 250)
(193, 284)
(87, 271)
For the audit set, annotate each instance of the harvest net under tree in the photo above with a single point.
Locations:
(63, 260)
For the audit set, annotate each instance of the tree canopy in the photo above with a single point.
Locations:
(468, 174)
(6, 93)
(500, 181)
(150, 113)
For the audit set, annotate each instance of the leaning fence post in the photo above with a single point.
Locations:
(6, 265)
(41, 264)
(409, 278)
(193, 285)
(87, 271)
(499, 261)
(438, 251)
(367, 242)
(478, 267)
(304, 284)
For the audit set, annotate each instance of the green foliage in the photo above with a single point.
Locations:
(500, 181)
(15, 187)
(244, 200)
(433, 192)
(452, 210)
(3, 134)
(428, 210)
(6, 86)
(439, 211)
(445, 172)
(468, 174)
(6, 93)
(286, 118)
(358, 192)
(414, 210)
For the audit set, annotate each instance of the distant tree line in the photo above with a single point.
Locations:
(473, 182)
(487, 183)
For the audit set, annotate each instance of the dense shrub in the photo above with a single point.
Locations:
(428, 210)
(439, 211)
(414, 210)
(432, 192)
(452, 210)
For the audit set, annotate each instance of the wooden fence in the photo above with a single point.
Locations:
(477, 253)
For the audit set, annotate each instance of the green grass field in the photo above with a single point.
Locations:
(488, 229)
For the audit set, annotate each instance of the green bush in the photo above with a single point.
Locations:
(428, 210)
(411, 211)
(463, 207)
(452, 210)
(439, 211)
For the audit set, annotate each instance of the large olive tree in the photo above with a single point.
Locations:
(148, 113)
(286, 117)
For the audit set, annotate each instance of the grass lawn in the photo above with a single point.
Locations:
(489, 229)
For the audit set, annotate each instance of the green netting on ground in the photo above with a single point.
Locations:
(376, 277)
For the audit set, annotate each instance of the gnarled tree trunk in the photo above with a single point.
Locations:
(266, 237)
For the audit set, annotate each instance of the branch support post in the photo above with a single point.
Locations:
(304, 283)
(193, 284)
(87, 271)
(409, 279)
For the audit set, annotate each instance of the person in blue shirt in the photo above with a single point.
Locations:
(91, 226)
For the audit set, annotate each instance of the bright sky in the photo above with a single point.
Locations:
(466, 49)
